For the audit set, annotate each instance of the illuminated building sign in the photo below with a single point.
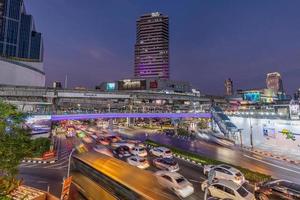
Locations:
(132, 85)
(153, 84)
(110, 86)
(252, 96)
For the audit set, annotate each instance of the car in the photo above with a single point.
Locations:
(113, 138)
(102, 149)
(122, 143)
(139, 151)
(175, 182)
(278, 189)
(226, 189)
(139, 162)
(94, 136)
(225, 172)
(87, 139)
(161, 152)
(166, 164)
(103, 140)
(122, 151)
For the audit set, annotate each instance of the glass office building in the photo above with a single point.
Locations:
(18, 36)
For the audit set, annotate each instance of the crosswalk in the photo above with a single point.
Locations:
(64, 150)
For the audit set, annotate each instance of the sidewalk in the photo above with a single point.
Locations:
(267, 152)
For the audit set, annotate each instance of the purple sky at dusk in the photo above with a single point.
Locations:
(210, 40)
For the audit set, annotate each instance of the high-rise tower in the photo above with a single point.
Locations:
(152, 46)
(274, 82)
(18, 36)
(228, 87)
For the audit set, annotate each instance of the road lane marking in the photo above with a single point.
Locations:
(284, 168)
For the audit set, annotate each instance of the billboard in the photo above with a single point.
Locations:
(110, 86)
(39, 124)
(153, 84)
(252, 96)
(132, 85)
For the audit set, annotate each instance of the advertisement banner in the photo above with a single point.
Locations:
(132, 85)
(66, 188)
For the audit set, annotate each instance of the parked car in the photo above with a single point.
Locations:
(225, 172)
(166, 164)
(139, 151)
(104, 150)
(122, 151)
(161, 152)
(176, 182)
(226, 189)
(139, 162)
(278, 189)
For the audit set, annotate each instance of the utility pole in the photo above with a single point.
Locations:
(251, 133)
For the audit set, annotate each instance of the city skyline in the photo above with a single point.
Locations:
(227, 36)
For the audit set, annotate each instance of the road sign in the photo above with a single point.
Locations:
(66, 188)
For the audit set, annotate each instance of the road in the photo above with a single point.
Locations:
(49, 175)
(276, 168)
(44, 175)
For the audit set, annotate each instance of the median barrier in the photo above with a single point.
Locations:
(253, 177)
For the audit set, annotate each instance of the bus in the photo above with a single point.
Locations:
(100, 177)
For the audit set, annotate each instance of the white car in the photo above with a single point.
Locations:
(161, 152)
(176, 182)
(104, 150)
(225, 172)
(122, 143)
(139, 162)
(139, 151)
(226, 189)
(166, 164)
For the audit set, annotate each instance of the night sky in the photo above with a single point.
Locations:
(210, 40)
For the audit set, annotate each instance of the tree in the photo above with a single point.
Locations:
(14, 146)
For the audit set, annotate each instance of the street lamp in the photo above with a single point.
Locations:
(251, 133)
(69, 165)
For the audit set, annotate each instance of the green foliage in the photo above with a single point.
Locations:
(202, 124)
(40, 146)
(14, 145)
(182, 131)
(249, 174)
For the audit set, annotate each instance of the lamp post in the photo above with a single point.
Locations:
(251, 133)
(69, 165)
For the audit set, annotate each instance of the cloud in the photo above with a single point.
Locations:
(99, 53)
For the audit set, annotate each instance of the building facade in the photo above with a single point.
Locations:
(274, 82)
(21, 46)
(18, 36)
(152, 47)
(228, 87)
(146, 84)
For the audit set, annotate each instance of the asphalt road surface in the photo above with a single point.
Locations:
(276, 168)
